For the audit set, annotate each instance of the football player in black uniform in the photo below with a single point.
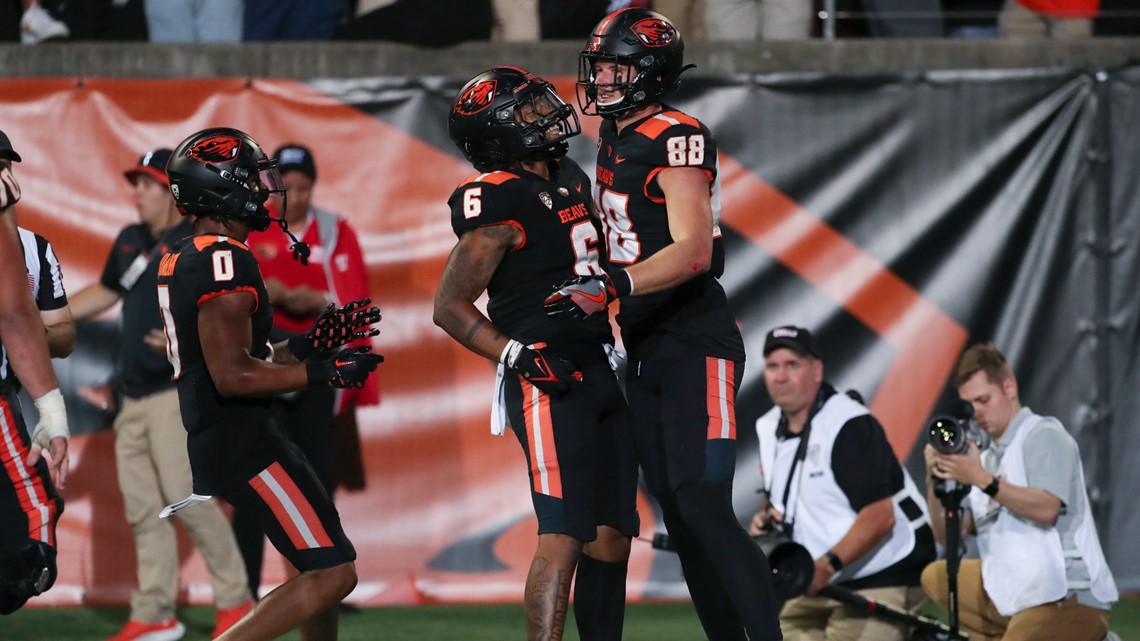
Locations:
(217, 318)
(523, 225)
(657, 191)
(30, 468)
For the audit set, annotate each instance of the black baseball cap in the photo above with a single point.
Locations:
(797, 339)
(6, 151)
(153, 164)
(294, 157)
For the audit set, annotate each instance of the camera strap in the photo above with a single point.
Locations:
(801, 453)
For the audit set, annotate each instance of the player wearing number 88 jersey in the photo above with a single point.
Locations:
(657, 192)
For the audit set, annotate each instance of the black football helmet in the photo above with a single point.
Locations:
(507, 115)
(27, 569)
(641, 39)
(223, 172)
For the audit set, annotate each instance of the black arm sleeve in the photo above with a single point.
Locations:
(865, 467)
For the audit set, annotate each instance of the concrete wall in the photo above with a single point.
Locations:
(342, 60)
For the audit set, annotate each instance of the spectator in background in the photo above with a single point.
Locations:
(293, 19)
(150, 442)
(763, 19)
(439, 23)
(38, 25)
(194, 20)
(833, 485)
(335, 274)
(1047, 18)
(33, 467)
(904, 18)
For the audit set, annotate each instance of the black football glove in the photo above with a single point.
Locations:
(581, 297)
(335, 327)
(347, 369)
(549, 373)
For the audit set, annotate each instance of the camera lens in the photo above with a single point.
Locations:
(947, 435)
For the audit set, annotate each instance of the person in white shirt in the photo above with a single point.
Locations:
(1042, 574)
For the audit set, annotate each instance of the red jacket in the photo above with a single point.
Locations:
(1064, 8)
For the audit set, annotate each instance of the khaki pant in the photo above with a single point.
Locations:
(154, 471)
(764, 19)
(1015, 21)
(816, 618)
(1064, 620)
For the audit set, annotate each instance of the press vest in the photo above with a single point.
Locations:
(1023, 563)
(825, 515)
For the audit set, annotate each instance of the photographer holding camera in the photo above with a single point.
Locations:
(834, 486)
(1042, 575)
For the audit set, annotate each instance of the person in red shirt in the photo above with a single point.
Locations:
(317, 419)
(1047, 18)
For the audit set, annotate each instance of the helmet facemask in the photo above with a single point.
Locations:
(544, 122)
(638, 83)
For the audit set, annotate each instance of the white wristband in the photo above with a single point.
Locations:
(630, 277)
(511, 353)
(53, 419)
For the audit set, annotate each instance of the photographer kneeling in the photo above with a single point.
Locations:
(1042, 575)
(835, 487)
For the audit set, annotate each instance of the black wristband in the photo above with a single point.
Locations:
(317, 373)
(300, 347)
(833, 560)
(993, 487)
(622, 283)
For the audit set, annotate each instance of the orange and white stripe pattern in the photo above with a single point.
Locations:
(30, 489)
(545, 473)
(291, 508)
(720, 387)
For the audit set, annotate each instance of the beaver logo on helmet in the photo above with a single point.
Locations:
(654, 32)
(476, 98)
(220, 148)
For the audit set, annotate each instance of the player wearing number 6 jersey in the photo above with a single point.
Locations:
(217, 317)
(656, 189)
(524, 225)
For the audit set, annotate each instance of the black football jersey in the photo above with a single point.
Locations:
(561, 239)
(694, 315)
(226, 434)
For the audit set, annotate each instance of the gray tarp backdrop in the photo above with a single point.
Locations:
(901, 217)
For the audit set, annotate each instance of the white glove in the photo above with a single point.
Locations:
(53, 419)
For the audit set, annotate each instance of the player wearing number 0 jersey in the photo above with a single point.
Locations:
(217, 317)
(656, 190)
(522, 226)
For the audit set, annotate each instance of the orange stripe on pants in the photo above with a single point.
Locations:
(291, 508)
(29, 487)
(544, 470)
(720, 376)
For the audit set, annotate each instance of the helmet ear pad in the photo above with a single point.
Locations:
(507, 115)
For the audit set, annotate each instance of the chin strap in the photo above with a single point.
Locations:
(300, 250)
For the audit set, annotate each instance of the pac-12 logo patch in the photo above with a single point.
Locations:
(220, 148)
(654, 32)
(477, 98)
(546, 200)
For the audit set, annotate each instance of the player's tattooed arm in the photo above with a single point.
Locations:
(465, 277)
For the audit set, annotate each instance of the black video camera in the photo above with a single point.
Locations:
(952, 434)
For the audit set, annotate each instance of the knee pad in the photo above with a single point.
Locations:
(27, 569)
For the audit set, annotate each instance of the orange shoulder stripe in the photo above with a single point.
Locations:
(493, 177)
(202, 242)
(656, 125)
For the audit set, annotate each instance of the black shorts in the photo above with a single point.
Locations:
(294, 510)
(579, 453)
(683, 415)
(29, 505)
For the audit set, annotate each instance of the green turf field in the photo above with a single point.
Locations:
(644, 622)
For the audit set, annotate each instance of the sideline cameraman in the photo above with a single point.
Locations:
(842, 494)
(1042, 575)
